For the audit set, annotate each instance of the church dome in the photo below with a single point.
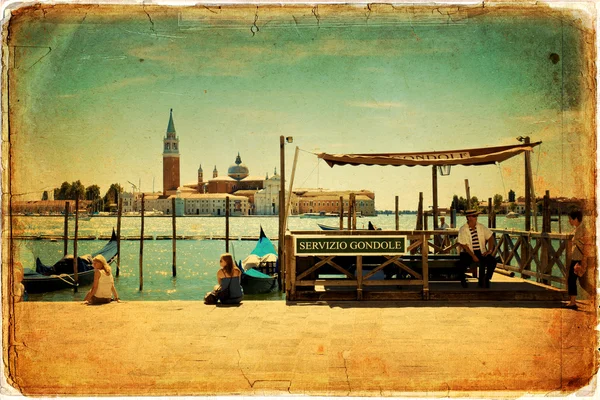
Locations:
(238, 171)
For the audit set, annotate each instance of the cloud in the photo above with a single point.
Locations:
(376, 104)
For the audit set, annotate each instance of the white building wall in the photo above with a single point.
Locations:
(209, 205)
(266, 201)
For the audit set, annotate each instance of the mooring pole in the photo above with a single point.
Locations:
(119, 214)
(419, 226)
(397, 215)
(142, 245)
(227, 224)
(468, 192)
(75, 269)
(350, 212)
(174, 239)
(66, 230)
(490, 224)
(341, 213)
(353, 196)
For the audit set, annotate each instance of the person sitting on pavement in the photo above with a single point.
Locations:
(229, 288)
(103, 290)
(476, 243)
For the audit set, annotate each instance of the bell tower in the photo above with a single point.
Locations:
(171, 175)
(200, 179)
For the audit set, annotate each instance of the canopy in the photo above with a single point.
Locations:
(480, 156)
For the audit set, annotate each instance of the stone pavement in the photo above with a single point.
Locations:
(430, 348)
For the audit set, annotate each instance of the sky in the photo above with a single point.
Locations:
(90, 92)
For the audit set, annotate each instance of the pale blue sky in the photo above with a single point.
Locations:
(96, 106)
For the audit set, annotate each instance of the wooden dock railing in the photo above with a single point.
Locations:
(543, 256)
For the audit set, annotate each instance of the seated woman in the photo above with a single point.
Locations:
(229, 289)
(103, 290)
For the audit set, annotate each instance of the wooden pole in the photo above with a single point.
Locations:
(341, 213)
(435, 196)
(142, 244)
(227, 223)
(419, 226)
(350, 212)
(289, 200)
(468, 191)
(353, 196)
(559, 217)
(174, 267)
(546, 227)
(425, 265)
(66, 230)
(280, 239)
(119, 213)
(527, 189)
(526, 238)
(453, 214)
(397, 215)
(490, 211)
(359, 277)
(75, 269)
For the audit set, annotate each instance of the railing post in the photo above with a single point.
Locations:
(359, 278)
(425, 264)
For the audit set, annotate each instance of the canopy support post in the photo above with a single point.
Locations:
(435, 197)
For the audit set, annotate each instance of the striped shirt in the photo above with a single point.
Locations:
(475, 239)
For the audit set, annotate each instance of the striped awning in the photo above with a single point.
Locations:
(479, 156)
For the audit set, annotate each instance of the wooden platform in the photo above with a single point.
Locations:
(502, 288)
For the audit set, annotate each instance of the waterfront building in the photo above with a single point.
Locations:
(47, 207)
(171, 173)
(266, 200)
(128, 202)
(328, 201)
(214, 204)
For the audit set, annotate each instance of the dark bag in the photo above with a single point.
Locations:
(223, 293)
(210, 298)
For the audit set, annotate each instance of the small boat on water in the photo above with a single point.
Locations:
(512, 215)
(260, 269)
(337, 228)
(318, 215)
(49, 278)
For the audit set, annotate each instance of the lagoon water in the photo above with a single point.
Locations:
(197, 260)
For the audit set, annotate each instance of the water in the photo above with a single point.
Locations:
(197, 260)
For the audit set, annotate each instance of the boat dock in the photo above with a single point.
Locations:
(417, 348)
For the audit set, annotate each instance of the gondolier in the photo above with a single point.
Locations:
(476, 243)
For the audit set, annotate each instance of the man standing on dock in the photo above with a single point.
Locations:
(476, 243)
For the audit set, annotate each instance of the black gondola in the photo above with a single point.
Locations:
(60, 275)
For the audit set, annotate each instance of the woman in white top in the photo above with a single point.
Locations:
(103, 290)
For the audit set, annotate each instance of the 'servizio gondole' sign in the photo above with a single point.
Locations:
(349, 245)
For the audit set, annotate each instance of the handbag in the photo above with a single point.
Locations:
(579, 270)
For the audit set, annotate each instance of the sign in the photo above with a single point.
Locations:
(349, 245)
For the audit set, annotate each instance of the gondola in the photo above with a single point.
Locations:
(260, 269)
(49, 278)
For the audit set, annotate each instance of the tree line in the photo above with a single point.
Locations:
(76, 190)
(460, 203)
